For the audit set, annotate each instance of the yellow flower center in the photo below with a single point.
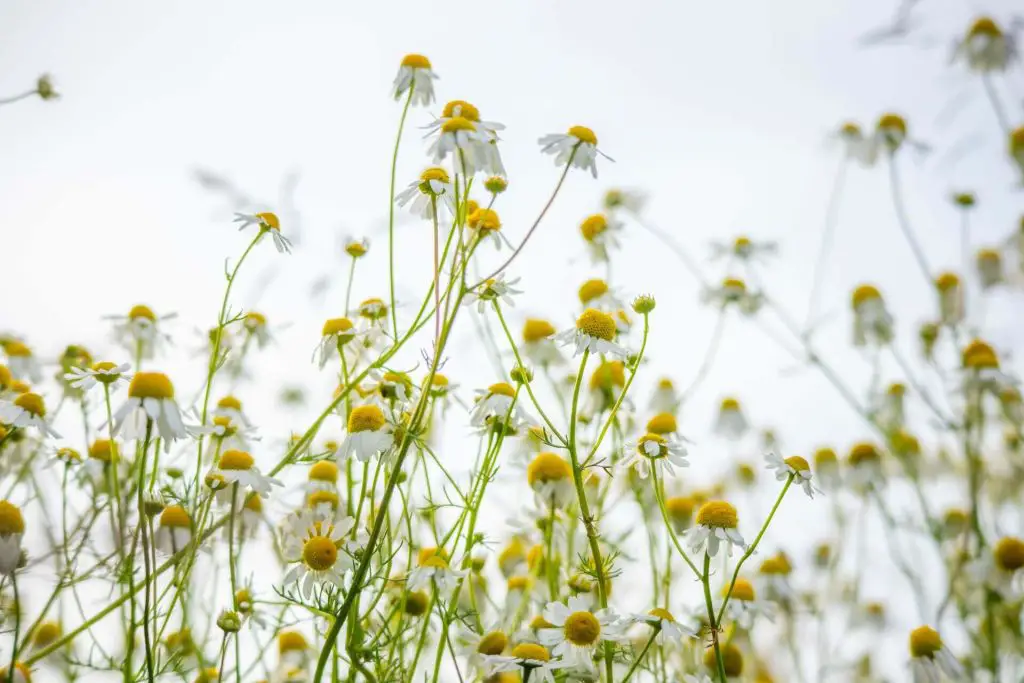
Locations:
(864, 293)
(519, 583)
(20, 387)
(547, 467)
(531, 651)
(596, 324)
(32, 403)
(175, 517)
(465, 110)
(254, 320)
(1009, 553)
(46, 633)
(1017, 141)
(104, 367)
(979, 356)
(337, 326)
(101, 449)
(662, 423)
(269, 221)
(435, 173)
(863, 454)
(797, 463)
(984, 26)
(777, 565)
(947, 281)
(5, 377)
(732, 658)
(535, 329)
(11, 521)
(236, 460)
(893, 123)
(291, 641)
(457, 123)
(593, 226)
(254, 504)
(734, 286)
(319, 553)
(717, 513)
(323, 497)
(493, 643)
(849, 130)
(924, 642)
(324, 470)
(230, 403)
(416, 61)
(151, 385)
(225, 422)
(989, 256)
(608, 375)
(486, 220)
(663, 614)
(591, 289)
(433, 557)
(583, 134)
(368, 418)
(824, 457)
(142, 312)
(680, 508)
(502, 388)
(742, 590)
(582, 628)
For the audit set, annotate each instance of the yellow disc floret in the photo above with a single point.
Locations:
(978, 355)
(662, 423)
(269, 221)
(11, 521)
(141, 312)
(291, 641)
(719, 514)
(742, 590)
(31, 403)
(864, 293)
(583, 134)
(547, 467)
(319, 553)
(1009, 554)
(338, 326)
(582, 629)
(596, 324)
(924, 642)
(151, 385)
(732, 659)
(798, 463)
(493, 643)
(414, 61)
(863, 454)
(592, 289)
(368, 418)
(175, 517)
(324, 470)
(535, 330)
(236, 460)
(532, 651)
(592, 226)
(501, 388)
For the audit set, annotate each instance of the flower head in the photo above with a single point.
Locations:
(415, 76)
(267, 223)
(717, 522)
(577, 147)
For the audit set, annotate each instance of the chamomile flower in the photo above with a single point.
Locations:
(473, 142)
(930, 659)
(618, 199)
(743, 606)
(322, 476)
(496, 402)
(104, 372)
(793, 466)
(293, 650)
(654, 450)
(415, 76)
(744, 249)
(538, 343)
(1016, 146)
(891, 133)
(856, 145)
(22, 674)
(989, 267)
(369, 434)
(774, 577)
(731, 423)
(577, 631)
(550, 477)
(865, 465)
(231, 408)
(985, 47)
(477, 647)
(150, 406)
(951, 298)
(21, 361)
(335, 334)
(981, 370)
(528, 659)
(266, 222)
(680, 512)
(596, 293)
(487, 225)
(495, 289)
(1000, 567)
(733, 292)
(732, 660)
(174, 532)
(239, 467)
(664, 398)
(432, 568)
(432, 191)
(594, 332)
(27, 410)
(716, 526)
(600, 232)
(255, 325)
(12, 528)
(315, 546)
(141, 331)
(670, 631)
(872, 323)
(577, 147)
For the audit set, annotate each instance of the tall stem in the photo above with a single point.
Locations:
(391, 210)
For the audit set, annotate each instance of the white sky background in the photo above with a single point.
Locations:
(719, 111)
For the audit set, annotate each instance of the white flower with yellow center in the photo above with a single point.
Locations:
(981, 371)
(473, 142)
(477, 647)
(654, 450)
(733, 292)
(104, 372)
(495, 289)
(988, 264)
(140, 331)
(496, 401)
(793, 466)
(595, 293)
(577, 631)
(486, 224)
(174, 532)
(432, 191)
(670, 631)
(150, 406)
(578, 147)
(620, 199)
(664, 398)
(731, 423)
(415, 73)
(550, 477)
(774, 577)
(999, 569)
(595, 332)
(432, 568)
(255, 325)
(22, 674)
(393, 388)
(930, 659)
(744, 606)
(856, 145)
(315, 545)
(527, 659)
(601, 233)
(538, 343)
(266, 222)
(985, 47)
(239, 468)
(21, 361)
(716, 525)
(865, 466)
(951, 298)
(231, 408)
(369, 434)
(335, 334)
(27, 410)
(12, 528)
(322, 476)
(744, 249)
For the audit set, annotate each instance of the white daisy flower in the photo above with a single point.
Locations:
(174, 532)
(486, 223)
(793, 466)
(416, 74)
(864, 466)
(981, 372)
(595, 332)
(27, 410)
(315, 545)
(577, 631)
(231, 408)
(716, 525)
(150, 400)
(670, 631)
(239, 467)
(601, 233)
(472, 142)
(595, 293)
(988, 265)
(743, 606)
(985, 47)
(477, 647)
(433, 568)
(999, 568)
(930, 659)
(495, 402)
(578, 146)
(774, 578)
(140, 333)
(12, 528)
(433, 189)
(22, 674)
(891, 134)
(731, 423)
(527, 659)
(103, 372)
(617, 199)
(951, 298)
(744, 249)
(266, 222)
(495, 289)
(369, 434)
(336, 333)
(21, 361)
(664, 399)
(733, 292)
(255, 325)
(550, 477)
(857, 146)
(393, 388)
(654, 450)
(538, 343)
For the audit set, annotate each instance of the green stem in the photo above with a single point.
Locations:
(636, 662)
(391, 211)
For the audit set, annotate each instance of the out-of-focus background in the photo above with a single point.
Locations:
(723, 114)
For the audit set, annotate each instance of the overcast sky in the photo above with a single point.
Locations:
(721, 112)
